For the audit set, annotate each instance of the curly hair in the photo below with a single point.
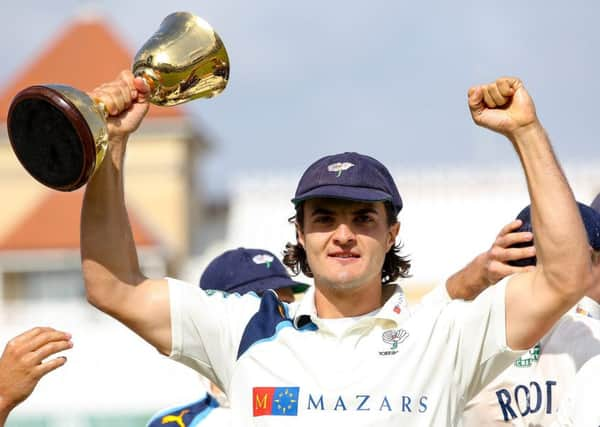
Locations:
(394, 265)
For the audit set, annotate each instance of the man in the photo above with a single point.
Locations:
(579, 408)
(237, 271)
(24, 362)
(350, 353)
(529, 392)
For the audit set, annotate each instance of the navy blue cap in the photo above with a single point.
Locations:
(591, 221)
(244, 270)
(348, 176)
(596, 203)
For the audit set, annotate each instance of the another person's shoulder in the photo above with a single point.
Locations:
(578, 324)
(576, 328)
(190, 290)
(186, 297)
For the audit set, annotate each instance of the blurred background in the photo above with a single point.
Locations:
(385, 78)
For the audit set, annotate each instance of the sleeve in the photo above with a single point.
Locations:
(207, 327)
(479, 327)
(439, 295)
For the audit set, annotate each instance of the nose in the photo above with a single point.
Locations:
(343, 235)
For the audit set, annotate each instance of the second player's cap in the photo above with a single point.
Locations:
(245, 270)
(591, 221)
(348, 176)
(596, 203)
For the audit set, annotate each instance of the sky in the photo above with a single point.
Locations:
(385, 78)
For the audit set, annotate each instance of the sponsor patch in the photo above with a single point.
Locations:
(275, 401)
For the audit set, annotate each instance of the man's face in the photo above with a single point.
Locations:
(346, 242)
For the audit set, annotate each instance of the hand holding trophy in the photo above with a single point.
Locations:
(59, 133)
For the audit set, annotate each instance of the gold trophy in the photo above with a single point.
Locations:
(59, 133)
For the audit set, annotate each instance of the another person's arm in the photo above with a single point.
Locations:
(491, 266)
(23, 364)
(536, 300)
(113, 280)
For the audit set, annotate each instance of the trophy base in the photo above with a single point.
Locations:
(51, 138)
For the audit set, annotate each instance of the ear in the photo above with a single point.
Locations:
(299, 234)
(392, 235)
(595, 257)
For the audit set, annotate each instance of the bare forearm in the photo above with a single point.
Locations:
(109, 257)
(469, 282)
(561, 244)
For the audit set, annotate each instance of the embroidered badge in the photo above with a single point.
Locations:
(339, 167)
(530, 358)
(583, 312)
(399, 303)
(263, 259)
(393, 337)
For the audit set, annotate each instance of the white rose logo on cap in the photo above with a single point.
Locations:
(263, 259)
(339, 167)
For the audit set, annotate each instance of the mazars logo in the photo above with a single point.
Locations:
(275, 401)
(263, 259)
(287, 401)
(339, 167)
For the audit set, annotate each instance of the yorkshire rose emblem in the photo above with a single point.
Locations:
(263, 259)
(339, 167)
(394, 337)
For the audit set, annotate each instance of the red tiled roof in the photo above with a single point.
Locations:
(54, 224)
(85, 55)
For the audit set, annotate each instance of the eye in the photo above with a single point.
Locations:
(363, 219)
(323, 219)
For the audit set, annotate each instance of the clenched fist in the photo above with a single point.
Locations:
(503, 106)
(126, 102)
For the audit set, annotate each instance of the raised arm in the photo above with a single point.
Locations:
(113, 280)
(491, 266)
(536, 300)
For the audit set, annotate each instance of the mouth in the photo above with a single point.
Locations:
(343, 255)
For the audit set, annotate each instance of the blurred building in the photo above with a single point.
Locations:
(119, 378)
(112, 377)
